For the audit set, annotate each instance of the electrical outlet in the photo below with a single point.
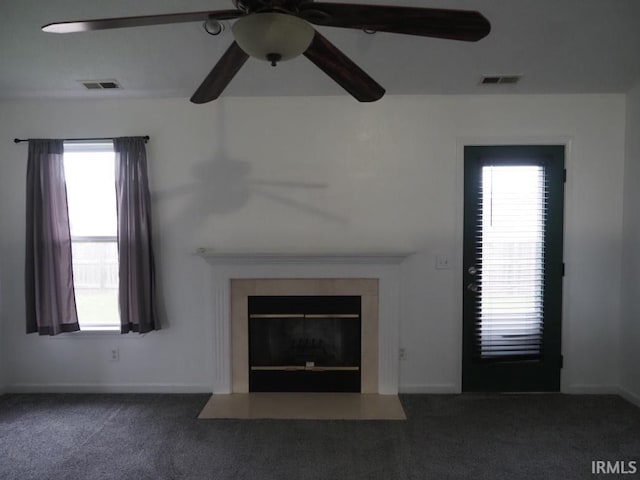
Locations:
(443, 262)
(403, 354)
(115, 354)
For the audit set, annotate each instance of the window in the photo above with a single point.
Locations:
(511, 259)
(91, 196)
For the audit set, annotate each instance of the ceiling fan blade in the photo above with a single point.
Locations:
(141, 21)
(221, 74)
(464, 25)
(342, 70)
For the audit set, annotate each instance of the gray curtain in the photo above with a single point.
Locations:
(49, 294)
(137, 295)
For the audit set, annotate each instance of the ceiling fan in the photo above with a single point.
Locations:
(278, 30)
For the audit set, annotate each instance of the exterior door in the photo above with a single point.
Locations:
(513, 268)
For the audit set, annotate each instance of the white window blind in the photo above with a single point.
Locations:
(511, 233)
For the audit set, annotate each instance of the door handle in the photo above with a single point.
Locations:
(472, 287)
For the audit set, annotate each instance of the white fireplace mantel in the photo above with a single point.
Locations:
(226, 266)
(216, 257)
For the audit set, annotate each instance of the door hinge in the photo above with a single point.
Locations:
(564, 175)
(563, 269)
(561, 361)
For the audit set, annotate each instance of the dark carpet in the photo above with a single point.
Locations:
(156, 437)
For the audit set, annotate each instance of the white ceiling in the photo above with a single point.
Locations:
(559, 46)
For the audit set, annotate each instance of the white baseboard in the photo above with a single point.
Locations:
(106, 388)
(433, 389)
(591, 389)
(577, 389)
(197, 388)
(629, 396)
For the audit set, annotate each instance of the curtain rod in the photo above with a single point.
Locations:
(22, 140)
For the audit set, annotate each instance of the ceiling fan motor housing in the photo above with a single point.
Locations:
(252, 6)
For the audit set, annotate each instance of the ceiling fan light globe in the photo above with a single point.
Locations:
(263, 34)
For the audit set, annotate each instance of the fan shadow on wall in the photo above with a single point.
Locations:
(223, 186)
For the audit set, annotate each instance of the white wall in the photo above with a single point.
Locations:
(630, 320)
(3, 266)
(1, 319)
(323, 174)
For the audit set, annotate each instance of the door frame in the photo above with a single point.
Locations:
(461, 142)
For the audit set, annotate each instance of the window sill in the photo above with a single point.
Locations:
(98, 333)
(100, 329)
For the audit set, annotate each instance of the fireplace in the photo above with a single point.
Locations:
(354, 317)
(375, 277)
(304, 343)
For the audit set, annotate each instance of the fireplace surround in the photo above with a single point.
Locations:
(373, 276)
(270, 290)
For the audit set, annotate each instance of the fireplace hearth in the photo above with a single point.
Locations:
(304, 343)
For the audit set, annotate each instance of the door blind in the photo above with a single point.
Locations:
(510, 262)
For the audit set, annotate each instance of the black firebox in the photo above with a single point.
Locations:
(304, 343)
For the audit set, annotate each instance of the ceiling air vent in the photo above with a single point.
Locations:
(500, 79)
(100, 84)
